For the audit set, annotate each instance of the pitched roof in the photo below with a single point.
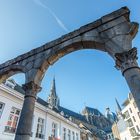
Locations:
(70, 113)
(93, 111)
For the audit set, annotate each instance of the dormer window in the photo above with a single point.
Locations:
(70, 118)
(10, 83)
(62, 113)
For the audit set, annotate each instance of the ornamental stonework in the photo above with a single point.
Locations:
(31, 89)
(126, 60)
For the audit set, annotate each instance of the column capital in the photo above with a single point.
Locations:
(126, 60)
(31, 89)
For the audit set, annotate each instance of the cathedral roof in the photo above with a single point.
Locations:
(92, 111)
(70, 113)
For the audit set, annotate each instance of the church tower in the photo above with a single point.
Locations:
(53, 99)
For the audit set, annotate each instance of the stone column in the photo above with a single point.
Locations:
(25, 123)
(127, 63)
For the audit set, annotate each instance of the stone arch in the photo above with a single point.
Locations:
(112, 33)
(114, 40)
(10, 71)
(60, 52)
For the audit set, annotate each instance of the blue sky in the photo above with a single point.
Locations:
(86, 77)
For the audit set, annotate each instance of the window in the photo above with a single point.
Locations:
(138, 128)
(134, 119)
(112, 136)
(139, 115)
(134, 103)
(77, 136)
(1, 108)
(12, 120)
(73, 136)
(129, 123)
(133, 132)
(40, 128)
(69, 134)
(126, 114)
(54, 129)
(64, 133)
(130, 110)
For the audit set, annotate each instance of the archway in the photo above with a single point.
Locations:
(112, 33)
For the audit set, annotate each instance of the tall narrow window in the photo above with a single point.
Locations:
(64, 133)
(12, 120)
(77, 136)
(69, 134)
(73, 135)
(54, 130)
(138, 128)
(130, 110)
(134, 119)
(40, 128)
(139, 115)
(134, 103)
(1, 108)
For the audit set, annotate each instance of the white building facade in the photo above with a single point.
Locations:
(132, 117)
(128, 123)
(47, 124)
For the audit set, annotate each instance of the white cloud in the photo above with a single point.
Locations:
(60, 23)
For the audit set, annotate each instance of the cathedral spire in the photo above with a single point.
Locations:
(53, 99)
(53, 88)
(118, 106)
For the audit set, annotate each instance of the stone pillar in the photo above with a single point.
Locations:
(25, 123)
(127, 63)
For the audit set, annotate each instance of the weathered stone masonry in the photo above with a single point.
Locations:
(112, 33)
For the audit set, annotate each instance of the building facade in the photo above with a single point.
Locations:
(115, 131)
(51, 121)
(128, 122)
(47, 124)
(132, 117)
